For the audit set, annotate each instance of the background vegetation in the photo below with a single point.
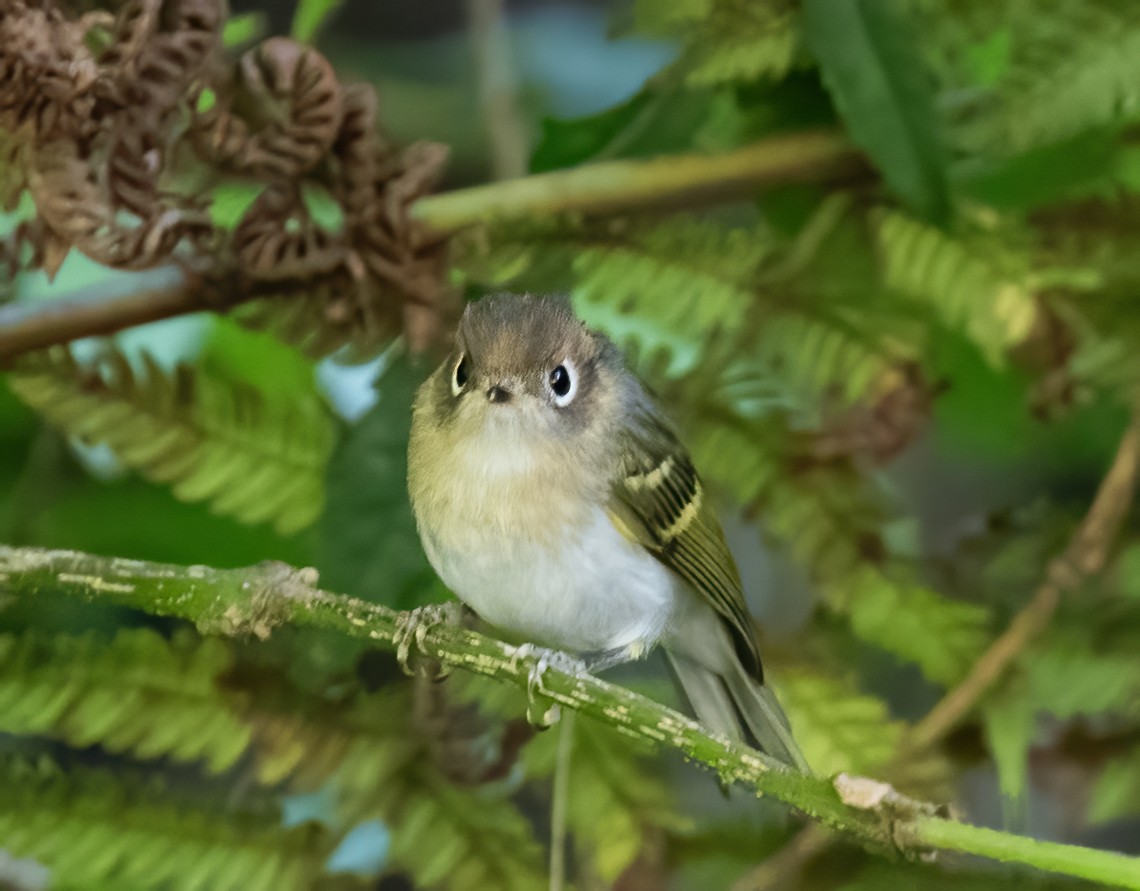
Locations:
(879, 258)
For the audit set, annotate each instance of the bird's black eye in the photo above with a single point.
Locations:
(460, 374)
(563, 383)
(560, 381)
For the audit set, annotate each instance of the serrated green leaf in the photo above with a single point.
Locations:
(987, 298)
(88, 827)
(870, 63)
(727, 41)
(838, 727)
(1074, 69)
(206, 436)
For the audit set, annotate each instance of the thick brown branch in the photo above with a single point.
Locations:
(31, 326)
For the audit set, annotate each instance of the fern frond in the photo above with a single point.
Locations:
(826, 519)
(992, 306)
(91, 827)
(1071, 67)
(1071, 672)
(810, 366)
(693, 278)
(842, 728)
(473, 838)
(727, 41)
(211, 439)
(138, 693)
(376, 767)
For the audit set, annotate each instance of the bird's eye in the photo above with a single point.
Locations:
(563, 383)
(459, 375)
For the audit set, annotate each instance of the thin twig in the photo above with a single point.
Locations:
(31, 326)
(1084, 556)
(788, 861)
(559, 802)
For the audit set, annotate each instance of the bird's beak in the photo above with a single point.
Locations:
(498, 393)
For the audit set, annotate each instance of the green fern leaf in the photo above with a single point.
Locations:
(825, 519)
(1070, 672)
(727, 41)
(942, 637)
(838, 727)
(90, 827)
(810, 366)
(669, 288)
(994, 307)
(210, 439)
(375, 766)
(1076, 68)
(474, 838)
(138, 693)
(1010, 723)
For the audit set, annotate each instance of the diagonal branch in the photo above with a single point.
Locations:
(1084, 556)
(258, 599)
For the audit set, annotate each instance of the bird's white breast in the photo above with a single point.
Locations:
(589, 589)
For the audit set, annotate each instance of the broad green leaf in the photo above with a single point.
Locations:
(244, 29)
(871, 64)
(368, 540)
(1117, 790)
(1009, 724)
(310, 17)
(652, 122)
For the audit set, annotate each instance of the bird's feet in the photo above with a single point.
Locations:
(542, 711)
(413, 626)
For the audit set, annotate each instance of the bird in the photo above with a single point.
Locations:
(554, 497)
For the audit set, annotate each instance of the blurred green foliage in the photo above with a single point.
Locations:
(910, 380)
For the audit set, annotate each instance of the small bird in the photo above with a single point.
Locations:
(555, 499)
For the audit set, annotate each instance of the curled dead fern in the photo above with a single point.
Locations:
(212, 440)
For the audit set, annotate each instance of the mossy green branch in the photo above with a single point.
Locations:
(676, 180)
(258, 599)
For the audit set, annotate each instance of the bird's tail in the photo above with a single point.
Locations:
(740, 707)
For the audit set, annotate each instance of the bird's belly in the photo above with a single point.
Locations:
(585, 589)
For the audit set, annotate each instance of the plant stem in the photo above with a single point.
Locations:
(611, 186)
(1106, 867)
(256, 600)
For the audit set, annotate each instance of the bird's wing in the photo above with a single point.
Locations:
(657, 501)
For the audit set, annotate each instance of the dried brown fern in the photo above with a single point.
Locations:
(112, 123)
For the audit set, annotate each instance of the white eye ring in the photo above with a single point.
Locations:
(460, 372)
(562, 383)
